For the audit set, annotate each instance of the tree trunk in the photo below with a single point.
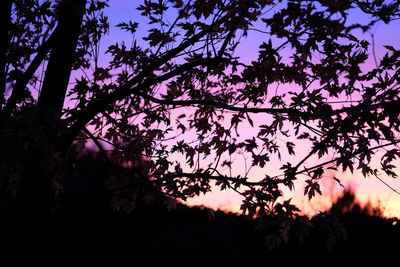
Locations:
(32, 210)
(58, 70)
(31, 216)
(5, 7)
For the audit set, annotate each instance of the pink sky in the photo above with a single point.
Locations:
(367, 189)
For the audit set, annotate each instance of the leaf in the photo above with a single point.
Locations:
(171, 204)
(290, 146)
(391, 48)
(311, 188)
(183, 115)
(390, 155)
(131, 27)
(289, 208)
(156, 36)
(387, 168)
(317, 173)
(249, 120)
(322, 151)
(181, 127)
(303, 136)
(260, 160)
(250, 144)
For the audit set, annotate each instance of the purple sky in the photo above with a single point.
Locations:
(367, 188)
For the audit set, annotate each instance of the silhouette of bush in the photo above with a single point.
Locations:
(85, 230)
(347, 203)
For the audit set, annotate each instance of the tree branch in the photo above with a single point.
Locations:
(208, 102)
(226, 41)
(19, 87)
(339, 158)
(99, 146)
(97, 105)
(245, 182)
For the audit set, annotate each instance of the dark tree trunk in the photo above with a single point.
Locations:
(5, 7)
(32, 210)
(31, 215)
(58, 70)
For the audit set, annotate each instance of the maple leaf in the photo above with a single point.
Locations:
(171, 204)
(287, 207)
(250, 144)
(131, 27)
(156, 36)
(311, 188)
(260, 160)
(317, 173)
(390, 155)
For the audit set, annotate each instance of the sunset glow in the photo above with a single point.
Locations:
(368, 190)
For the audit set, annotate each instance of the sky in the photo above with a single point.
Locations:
(367, 189)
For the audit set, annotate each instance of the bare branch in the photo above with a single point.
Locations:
(216, 104)
(99, 146)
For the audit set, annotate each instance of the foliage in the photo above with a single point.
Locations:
(85, 231)
(182, 91)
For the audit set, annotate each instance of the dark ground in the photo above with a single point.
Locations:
(87, 232)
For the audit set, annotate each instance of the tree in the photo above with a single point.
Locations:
(307, 69)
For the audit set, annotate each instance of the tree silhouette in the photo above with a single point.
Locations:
(306, 85)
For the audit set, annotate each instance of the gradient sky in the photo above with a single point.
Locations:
(367, 189)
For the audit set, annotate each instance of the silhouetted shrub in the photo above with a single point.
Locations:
(86, 230)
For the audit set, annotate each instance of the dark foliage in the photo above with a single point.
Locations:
(85, 231)
(184, 74)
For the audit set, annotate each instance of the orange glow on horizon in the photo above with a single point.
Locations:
(368, 191)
